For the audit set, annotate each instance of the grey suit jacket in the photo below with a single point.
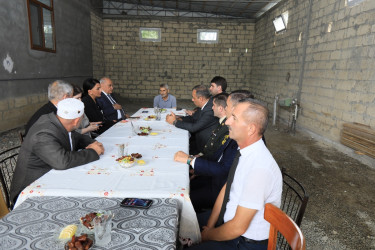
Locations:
(47, 147)
(200, 125)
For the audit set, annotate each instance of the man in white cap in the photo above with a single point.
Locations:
(52, 143)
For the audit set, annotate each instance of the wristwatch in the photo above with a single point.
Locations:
(190, 159)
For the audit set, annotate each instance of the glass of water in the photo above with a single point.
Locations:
(103, 228)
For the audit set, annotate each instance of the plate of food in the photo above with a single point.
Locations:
(136, 155)
(144, 131)
(66, 233)
(126, 161)
(163, 110)
(83, 241)
(150, 118)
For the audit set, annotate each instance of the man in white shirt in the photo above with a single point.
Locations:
(257, 180)
(112, 111)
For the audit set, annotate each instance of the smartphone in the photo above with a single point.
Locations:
(145, 111)
(136, 202)
(178, 109)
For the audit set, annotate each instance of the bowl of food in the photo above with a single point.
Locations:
(145, 129)
(126, 161)
(83, 241)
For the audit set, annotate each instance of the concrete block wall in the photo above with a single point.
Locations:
(24, 85)
(331, 68)
(97, 31)
(138, 68)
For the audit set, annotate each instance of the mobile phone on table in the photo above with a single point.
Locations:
(136, 202)
(145, 111)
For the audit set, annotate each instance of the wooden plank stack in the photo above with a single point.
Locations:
(359, 137)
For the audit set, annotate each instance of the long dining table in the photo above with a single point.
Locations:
(159, 177)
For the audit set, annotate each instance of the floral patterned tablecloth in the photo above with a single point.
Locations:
(159, 177)
(37, 222)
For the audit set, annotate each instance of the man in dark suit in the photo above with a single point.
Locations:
(52, 143)
(57, 91)
(201, 123)
(218, 85)
(112, 111)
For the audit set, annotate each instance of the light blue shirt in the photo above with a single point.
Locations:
(169, 103)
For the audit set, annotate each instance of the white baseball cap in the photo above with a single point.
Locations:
(70, 108)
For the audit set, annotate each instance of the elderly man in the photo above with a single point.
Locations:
(57, 91)
(237, 219)
(165, 100)
(112, 111)
(52, 143)
(201, 124)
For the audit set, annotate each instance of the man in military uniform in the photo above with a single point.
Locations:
(218, 134)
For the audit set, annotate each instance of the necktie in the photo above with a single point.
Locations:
(114, 102)
(70, 140)
(232, 170)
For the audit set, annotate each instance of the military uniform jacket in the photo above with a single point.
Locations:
(46, 147)
(215, 141)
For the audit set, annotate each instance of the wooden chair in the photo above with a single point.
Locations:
(8, 160)
(282, 223)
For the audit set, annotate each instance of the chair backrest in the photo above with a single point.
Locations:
(293, 203)
(281, 222)
(21, 136)
(8, 160)
(294, 198)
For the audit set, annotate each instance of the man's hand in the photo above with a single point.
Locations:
(117, 106)
(189, 112)
(206, 233)
(170, 118)
(181, 157)
(97, 146)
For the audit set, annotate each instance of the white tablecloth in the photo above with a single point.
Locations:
(160, 177)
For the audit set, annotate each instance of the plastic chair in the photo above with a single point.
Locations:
(282, 223)
(8, 160)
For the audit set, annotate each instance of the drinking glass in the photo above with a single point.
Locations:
(102, 228)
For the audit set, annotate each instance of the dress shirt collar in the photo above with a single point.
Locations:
(222, 119)
(205, 104)
(104, 92)
(252, 147)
